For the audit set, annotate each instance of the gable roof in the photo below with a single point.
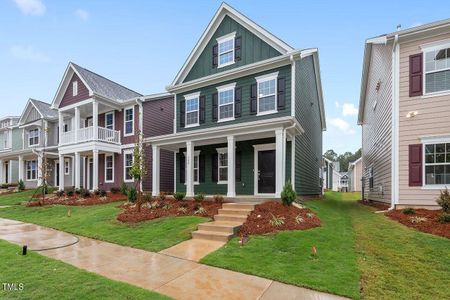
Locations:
(43, 108)
(227, 10)
(96, 84)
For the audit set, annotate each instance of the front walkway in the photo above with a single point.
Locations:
(171, 276)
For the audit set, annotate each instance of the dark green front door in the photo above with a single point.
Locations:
(266, 172)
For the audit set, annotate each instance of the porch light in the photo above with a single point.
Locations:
(412, 114)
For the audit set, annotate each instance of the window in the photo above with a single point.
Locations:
(6, 140)
(226, 50)
(33, 137)
(66, 167)
(195, 167)
(129, 121)
(75, 88)
(267, 88)
(109, 120)
(109, 168)
(226, 102)
(127, 164)
(66, 127)
(192, 110)
(222, 166)
(31, 166)
(437, 164)
(437, 70)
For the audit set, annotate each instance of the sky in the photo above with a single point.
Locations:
(143, 44)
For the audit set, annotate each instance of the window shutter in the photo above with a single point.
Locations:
(253, 99)
(215, 106)
(415, 75)
(238, 166)
(215, 54)
(202, 109)
(415, 165)
(237, 102)
(215, 167)
(281, 86)
(182, 168)
(182, 112)
(201, 167)
(237, 48)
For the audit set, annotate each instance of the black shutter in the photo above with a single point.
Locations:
(238, 166)
(215, 55)
(215, 166)
(237, 48)
(201, 167)
(202, 109)
(281, 93)
(237, 102)
(182, 168)
(182, 112)
(215, 106)
(253, 99)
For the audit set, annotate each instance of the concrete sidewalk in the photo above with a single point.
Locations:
(175, 277)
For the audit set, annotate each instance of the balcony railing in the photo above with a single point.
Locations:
(87, 135)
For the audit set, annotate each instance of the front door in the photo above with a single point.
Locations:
(57, 174)
(266, 172)
(6, 172)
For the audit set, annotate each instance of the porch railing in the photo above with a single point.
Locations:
(87, 135)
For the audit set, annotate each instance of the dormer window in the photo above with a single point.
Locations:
(225, 47)
(75, 88)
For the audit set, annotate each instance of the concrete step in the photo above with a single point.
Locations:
(234, 211)
(246, 205)
(220, 226)
(230, 218)
(212, 235)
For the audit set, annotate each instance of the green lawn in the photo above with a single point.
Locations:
(46, 278)
(356, 248)
(16, 198)
(99, 222)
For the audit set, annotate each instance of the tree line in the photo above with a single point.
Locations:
(343, 159)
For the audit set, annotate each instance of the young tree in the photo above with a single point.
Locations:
(139, 168)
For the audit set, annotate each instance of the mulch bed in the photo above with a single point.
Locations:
(258, 222)
(375, 204)
(76, 200)
(432, 225)
(132, 215)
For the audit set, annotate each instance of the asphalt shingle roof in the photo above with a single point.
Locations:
(44, 109)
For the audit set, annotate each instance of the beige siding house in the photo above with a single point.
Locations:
(404, 113)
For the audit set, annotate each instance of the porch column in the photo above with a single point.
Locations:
(155, 170)
(95, 119)
(39, 169)
(95, 171)
(45, 133)
(77, 172)
(60, 126)
(61, 172)
(21, 168)
(231, 192)
(280, 142)
(1, 171)
(77, 122)
(189, 169)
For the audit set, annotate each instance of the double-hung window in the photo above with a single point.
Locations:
(222, 165)
(437, 164)
(129, 121)
(109, 120)
(33, 137)
(267, 93)
(226, 102)
(127, 164)
(31, 168)
(192, 109)
(109, 168)
(226, 50)
(437, 68)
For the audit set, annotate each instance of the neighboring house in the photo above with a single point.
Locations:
(336, 181)
(343, 182)
(328, 167)
(355, 176)
(249, 114)
(404, 112)
(8, 166)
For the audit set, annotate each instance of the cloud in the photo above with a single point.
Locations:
(31, 7)
(349, 109)
(82, 14)
(342, 126)
(28, 53)
(337, 104)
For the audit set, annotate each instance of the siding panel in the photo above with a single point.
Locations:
(83, 92)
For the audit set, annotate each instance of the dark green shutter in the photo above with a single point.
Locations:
(237, 102)
(201, 167)
(238, 166)
(281, 93)
(182, 168)
(215, 107)
(182, 112)
(253, 99)
(215, 55)
(215, 166)
(237, 48)
(202, 109)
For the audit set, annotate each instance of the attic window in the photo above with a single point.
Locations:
(75, 88)
(226, 49)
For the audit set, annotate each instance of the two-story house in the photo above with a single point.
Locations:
(248, 114)
(404, 112)
(8, 167)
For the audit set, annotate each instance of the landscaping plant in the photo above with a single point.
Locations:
(444, 218)
(124, 189)
(115, 190)
(409, 211)
(299, 219)
(138, 169)
(179, 196)
(218, 198)
(21, 185)
(182, 209)
(288, 195)
(200, 211)
(162, 196)
(444, 201)
(276, 221)
(199, 197)
(417, 220)
(132, 194)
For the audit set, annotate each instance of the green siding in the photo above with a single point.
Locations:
(253, 49)
(17, 143)
(308, 146)
(244, 83)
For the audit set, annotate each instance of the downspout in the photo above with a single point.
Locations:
(284, 152)
(395, 123)
(141, 133)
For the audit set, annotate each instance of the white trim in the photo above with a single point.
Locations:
(293, 162)
(265, 78)
(196, 156)
(221, 151)
(38, 137)
(125, 152)
(223, 39)
(66, 166)
(113, 119)
(189, 97)
(437, 45)
(426, 48)
(224, 88)
(435, 139)
(256, 149)
(112, 180)
(26, 170)
(125, 121)
(426, 186)
(293, 67)
(395, 186)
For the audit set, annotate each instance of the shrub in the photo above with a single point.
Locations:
(115, 190)
(162, 196)
(299, 219)
(409, 211)
(444, 218)
(132, 194)
(218, 198)
(85, 193)
(124, 189)
(417, 220)
(77, 191)
(69, 191)
(96, 192)
(199, 197)
(21, 185)
(60, 193)
(276, 221)
(179, 196)
(288, 194)
(101, 193)
(147, 197)
(444, 200)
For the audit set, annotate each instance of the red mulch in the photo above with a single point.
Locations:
(131, 214)
(76, 200)
(432, 225)
(375, 204)
(258, 222)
